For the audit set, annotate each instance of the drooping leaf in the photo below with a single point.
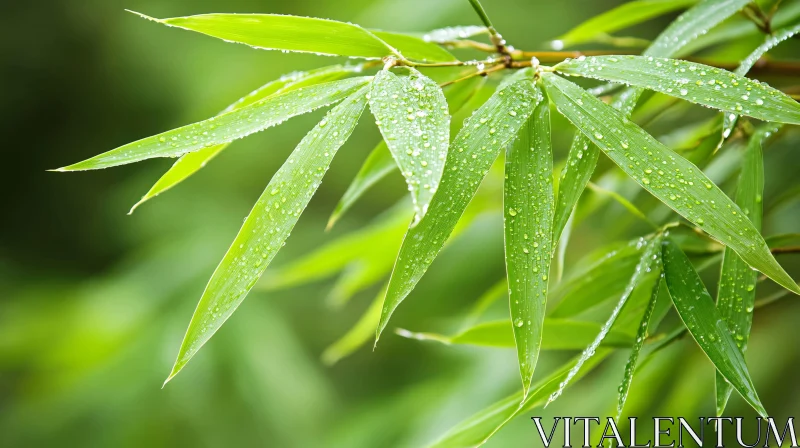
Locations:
(558, 334)
(528, 223)
(225, 128)
(358, 335)
(698, 83)
(194, 161)
(411, 113)
(667, 176)
(737, 283)
(269, 223)
(696, 308)
(472, 153)
(623, 16)
(452, 33)
(649, 261)
(747, 63)
(638, 343)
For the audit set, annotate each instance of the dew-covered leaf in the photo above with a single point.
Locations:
(737, 283)
(225, 128)
(698, 83)
(528, 224)
(414, 48)
(696, 308)
(623, 16)
(194, 161)
(667, 176)
(471, 155)
(269, 223)
(452, 33)
(581, 162)
(412, 115)
(558, 334)
(649, 261)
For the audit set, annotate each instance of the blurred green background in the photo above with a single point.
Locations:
(94, 302)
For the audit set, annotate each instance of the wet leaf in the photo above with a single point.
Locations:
(528, 223)
(452, 33)
(581, 162)
(225, 128)
(194, 161)
(623, 16)
(698, 83)
(472, 153)
(413, 47)
(266, 228)
(669, 177)
(412, 115)
(696, 308)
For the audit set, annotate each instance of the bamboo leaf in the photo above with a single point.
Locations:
(412, 115)
(581, 162)
(266, 228)
(414, 48)
(623, 16)
(358, 335)
(647, 263)
(472, 153)
(453, 33)
(558, 334)
(225, 128)
(669, 177)
(528, 223)
(194, 161)
(737, 284)
(698, 83)
(696, 308)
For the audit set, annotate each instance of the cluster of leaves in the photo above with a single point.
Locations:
(417, 118)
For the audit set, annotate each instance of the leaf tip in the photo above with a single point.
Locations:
(144, 16)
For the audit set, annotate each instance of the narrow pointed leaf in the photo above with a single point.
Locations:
(696, 308)
(649, 261)
(667, 176)
(358, 335)
(698, 83)
(412, 115)
(737, 284)
(623, 16)
(453, 33)
(225, 128)
(414, 48)
(266, 228)
(558, 334)
(581, 162)
(528, 223)
(472, 153)
(194, 161)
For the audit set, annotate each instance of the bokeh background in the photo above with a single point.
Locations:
(94, 303)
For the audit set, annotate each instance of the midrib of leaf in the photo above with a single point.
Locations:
(270, 111)
(528, 223)
(269, 223)
(672, 179)
(471, 155)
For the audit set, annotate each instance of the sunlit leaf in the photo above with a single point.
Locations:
(266, 228)
(623, 16)
(528, 223)
(194, 161)
(696, 308)
(452, 33)
(669, 177)
(737, 283)
(412, 114)
(472, 153)
(225, 128)
(649, 261)
(558, 334)
(701, 84)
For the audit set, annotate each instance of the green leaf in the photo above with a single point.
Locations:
(266, 228)
(648, 262)
(558, 334)
(194, 161)
(623, 16)
(667, 176)
(528, 223)
(581, 162)
(477, 429)
(472, 153)
(358, 335)
(412, 115)
(696, 308)
(486, 300)
(698, 83)
(737, 283)
(268, 112)
(414, 48)
(638, 343)
(453, 33)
